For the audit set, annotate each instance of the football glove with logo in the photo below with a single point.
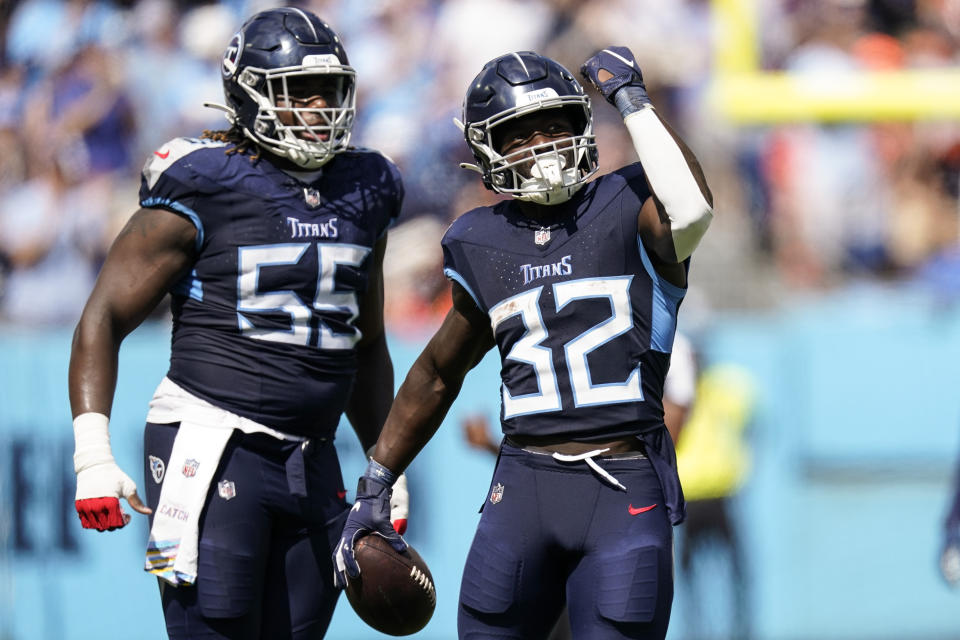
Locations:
(100, 482)
(613, 69)
(370, 513)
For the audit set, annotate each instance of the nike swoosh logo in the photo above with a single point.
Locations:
(638, 510)
(162, 156)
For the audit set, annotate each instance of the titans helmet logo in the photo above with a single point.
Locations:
(232, 55)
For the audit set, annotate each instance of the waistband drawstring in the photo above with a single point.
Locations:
(588, 458)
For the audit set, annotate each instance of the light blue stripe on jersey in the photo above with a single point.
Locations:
(176, 206)
(189, 286)
(453, 275)
(666, 297)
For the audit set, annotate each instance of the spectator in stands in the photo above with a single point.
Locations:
(51, 233)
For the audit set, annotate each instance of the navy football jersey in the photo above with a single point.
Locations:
(263, 325)
(583, 322)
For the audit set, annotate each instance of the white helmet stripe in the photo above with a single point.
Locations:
(522, 64)
(307, 20)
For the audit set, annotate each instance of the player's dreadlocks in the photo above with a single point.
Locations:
(241, 143)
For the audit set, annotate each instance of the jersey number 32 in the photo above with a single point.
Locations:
(528, 349)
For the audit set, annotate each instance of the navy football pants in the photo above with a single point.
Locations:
(264, 568)
(554, 532)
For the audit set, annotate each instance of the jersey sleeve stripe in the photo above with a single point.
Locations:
(453, 275)
(190, 287)
(179, 208)
(666, 302)
(670, 289)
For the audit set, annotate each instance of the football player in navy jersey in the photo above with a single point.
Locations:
(578, 285)
(270, 238)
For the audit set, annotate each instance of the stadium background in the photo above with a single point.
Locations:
(830, 279)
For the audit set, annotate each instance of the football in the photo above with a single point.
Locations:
(394, 593)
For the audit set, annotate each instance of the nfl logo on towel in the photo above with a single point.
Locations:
(497, 494)
(227, 489)
(190, 467)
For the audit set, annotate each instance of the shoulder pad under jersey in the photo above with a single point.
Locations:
(172, 152)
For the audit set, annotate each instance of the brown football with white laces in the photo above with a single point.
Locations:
(394, 593)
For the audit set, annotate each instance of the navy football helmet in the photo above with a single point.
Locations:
(516, 85)
(273, 51)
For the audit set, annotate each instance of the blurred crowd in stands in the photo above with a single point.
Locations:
(89, 88)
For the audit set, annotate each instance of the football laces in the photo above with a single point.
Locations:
(424, 581)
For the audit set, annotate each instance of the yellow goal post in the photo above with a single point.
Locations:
(744, 94)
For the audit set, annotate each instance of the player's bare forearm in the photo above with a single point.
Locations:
(674, 417)
(93, 364)
(372, 392)
(418, 411)
(430, 388)
(151, 252)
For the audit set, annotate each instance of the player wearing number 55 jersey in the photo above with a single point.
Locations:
(578, 284)
(270, 238)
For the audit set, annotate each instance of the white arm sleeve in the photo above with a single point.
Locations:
(671, 180)
(680, 385)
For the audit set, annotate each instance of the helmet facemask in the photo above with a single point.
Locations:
(311, 136)
(545, 173)
(548, 173)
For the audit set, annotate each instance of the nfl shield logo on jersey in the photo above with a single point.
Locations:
(227, 489)
(541, 236)
(312, 197)
(156, 469)
(497, 494)
(190, 467)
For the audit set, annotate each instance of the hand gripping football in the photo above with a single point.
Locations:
(394, 593)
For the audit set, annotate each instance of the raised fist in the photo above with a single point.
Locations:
(614, 69)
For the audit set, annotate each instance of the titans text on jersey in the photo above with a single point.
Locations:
(583, 322)
(562, 267)
(263, 325)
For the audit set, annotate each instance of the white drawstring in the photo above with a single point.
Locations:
(588, 457)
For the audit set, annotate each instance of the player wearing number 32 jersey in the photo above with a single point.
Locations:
(270, 238)
(577, 283)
